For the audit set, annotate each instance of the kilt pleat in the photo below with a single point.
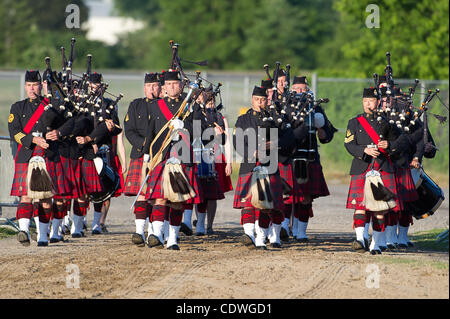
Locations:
(211, 188)
(406, 189)
(117, 166)
(224, 180)
(132, 182)
(316, 185)
(91, 180)
(59, 177)
(243, 188)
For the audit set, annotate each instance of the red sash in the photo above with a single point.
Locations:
(164, 109)
(372, 134)
(168, 115)
(36, 115)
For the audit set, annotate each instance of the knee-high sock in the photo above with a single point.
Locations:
(248, 215)
(23, 214)
(157, 220)
(187, 218)
(175, 217)
(359, 222)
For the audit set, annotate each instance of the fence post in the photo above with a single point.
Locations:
(21, 86)
(246, 85)
(314, 84)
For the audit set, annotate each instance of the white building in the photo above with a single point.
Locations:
(103, 25)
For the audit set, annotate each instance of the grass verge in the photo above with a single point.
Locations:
(6, 232)
(427, 240)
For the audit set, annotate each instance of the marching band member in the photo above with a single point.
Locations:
(364, 143)
(95, 135)
(26, 124)
(162, 112)
(212, 184)
(316, 185)
(255, 235)
(136, 126)
(62, 130)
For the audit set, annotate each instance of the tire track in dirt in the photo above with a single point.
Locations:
(322, 280)
(178, 281)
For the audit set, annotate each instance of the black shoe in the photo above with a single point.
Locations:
(137, 240)
(83, 234)
(247, 241)
(22, 237)
(199, 234)
(42, 243)
(284, 235)
(185, 229)
(209, 231)
(173, 247)
(383, 248)
(275, 245)
(391, 247)
(194, 223)
(56, 240)
(154, 241)
(375, 252)
(302, 240)
(358, 246)
(96, 232)
(410, 244)
(77, 235)
(261, 247)
(366, 244)
(104, 229)
(402, 246)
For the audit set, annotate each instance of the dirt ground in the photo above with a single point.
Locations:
(217, 266)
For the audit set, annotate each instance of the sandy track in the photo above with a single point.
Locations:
(217, 266)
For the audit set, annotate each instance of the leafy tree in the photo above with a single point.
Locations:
(416, 33)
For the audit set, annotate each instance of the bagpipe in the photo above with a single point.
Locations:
(80, 106)
(175, 184)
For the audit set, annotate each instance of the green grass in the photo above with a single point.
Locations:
(424, 241)
(6, 232)
(427, 240)
(414, 262)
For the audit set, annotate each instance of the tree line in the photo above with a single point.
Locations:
(328, 36)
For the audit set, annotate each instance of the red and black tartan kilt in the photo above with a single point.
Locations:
(133, 180)
(406, 190)
(211, 188)
(117, 166)
(70, 179)
(243, 188)
(89, 175)
(155, 189)
(19, 184)
(316, 186)
(58, 175)
(287, 173)
(54, 169)
(224, 180)
(79, 184)
(356, 190)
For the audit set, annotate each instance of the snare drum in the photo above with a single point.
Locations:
(431, 195)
